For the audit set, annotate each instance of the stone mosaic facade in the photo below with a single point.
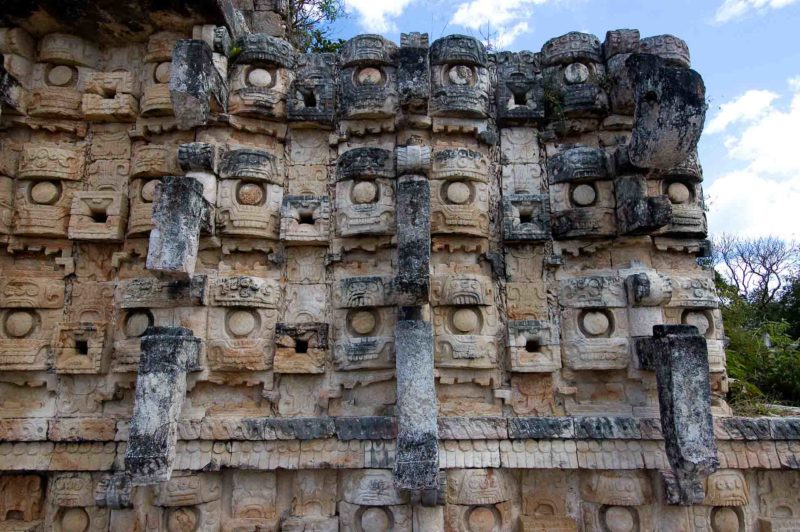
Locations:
(409, 287)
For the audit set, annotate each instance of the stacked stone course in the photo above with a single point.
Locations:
(412, 288)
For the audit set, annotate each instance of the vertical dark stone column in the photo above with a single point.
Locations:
(413, 240)
(167, 354)
(417, 465)
(679, 356)
(179, 213)
(193, 82)
(417, 462)
(413, 75)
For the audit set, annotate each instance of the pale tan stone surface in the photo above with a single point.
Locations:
(288, 421)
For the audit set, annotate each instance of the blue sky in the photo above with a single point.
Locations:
(748, 52)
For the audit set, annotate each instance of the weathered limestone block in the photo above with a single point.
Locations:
(368, 78)
(261, 76)
(459, 77)
(638, 213)
(109, 97)
(682, 187)
(480, 497)
(412, 282)
(305, 220)
(526, 218)
(114, 491)
(614, 498)
(582, 197)
(195, 84)
(83, 345)
(251, 163)
(98, 216)
(670, 112)
(167, 354)
(179, 214)
(156, 100)
(312, 97)
(413, 159)
(6, 205)
(465, 321)
(31, 307)
(301, 348)
(59, 78)
(12, 93)
(22, 501)
(573, 72)
(533, 346)
(364, 331)
(365, 192)
(42, 207)
(252, 497)
(417, 463)
(678, 355)
(520, 88)
(241, 323)
(413, 73)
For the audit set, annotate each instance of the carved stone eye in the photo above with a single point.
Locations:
(576, 73)
(369, 76)
(45, 193)
(19, 323)
(458, 192)
(163, 72)
(466, 320)
(250, 194)
(678, 193)
(619, 519)
(149, 191)
(364, 192)
(363, 322)
(137, 323)
(461, 75)
(699, 319)
(241, 322)
(584, 195)
(595, 323)
(75, 519)
(259, 77)
(61, 76)
(482, 518)
(376, 518)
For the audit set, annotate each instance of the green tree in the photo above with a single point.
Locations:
(759, 292)
(309, 24)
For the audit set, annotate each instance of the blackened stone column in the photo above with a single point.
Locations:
(417, 465)
(167, 354)
(195, 83)
(679, 356)
(417, 460)
(179, 213)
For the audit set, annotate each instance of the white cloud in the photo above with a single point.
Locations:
(733, 9)
(748, 204)
(748, 107)
(762, 196)
(504, 20)
(377, 16)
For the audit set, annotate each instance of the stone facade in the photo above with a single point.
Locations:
(409, 287)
